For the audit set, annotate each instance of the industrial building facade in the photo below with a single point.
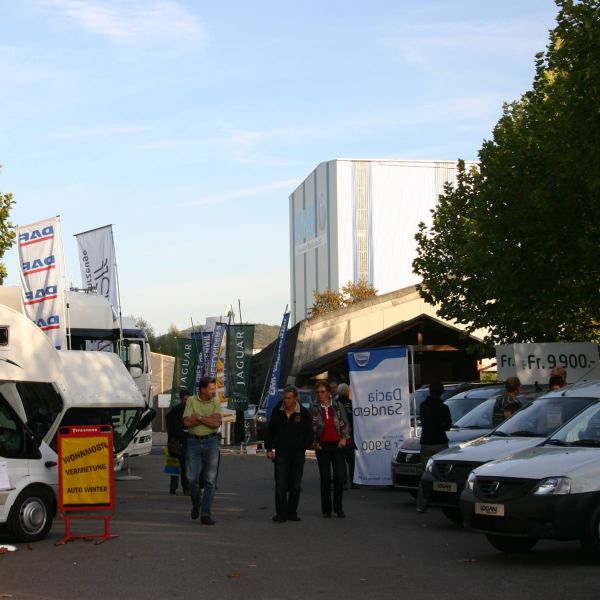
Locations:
(356, 219)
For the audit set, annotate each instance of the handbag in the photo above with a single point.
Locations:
(175, 448)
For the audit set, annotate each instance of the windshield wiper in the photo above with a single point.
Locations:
(500, 433)
(525, 433)
(557, 442)
(586, 443)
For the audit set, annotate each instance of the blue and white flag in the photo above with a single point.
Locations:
(381, 410)
(215, 348)
(276, 373)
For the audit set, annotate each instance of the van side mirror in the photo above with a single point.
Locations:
(135, 372)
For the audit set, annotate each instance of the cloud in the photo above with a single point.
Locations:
(249, 192)
(137, 21)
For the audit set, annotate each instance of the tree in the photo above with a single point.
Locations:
(7, 229)
(166, 343)
(514, 247)
(350, 293)
(145, 325)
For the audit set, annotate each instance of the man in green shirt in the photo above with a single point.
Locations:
(202, 418)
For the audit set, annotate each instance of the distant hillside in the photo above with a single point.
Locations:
(263, 334)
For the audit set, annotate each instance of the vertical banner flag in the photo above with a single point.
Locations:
(240, 345)
(222, 370)
(96, 250)
(276, 373)
(197, 339)
(381, 410)
(184, 373)
(215, 349)
(42, 277)
(207, 337)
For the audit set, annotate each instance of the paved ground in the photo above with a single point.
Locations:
(382, 550)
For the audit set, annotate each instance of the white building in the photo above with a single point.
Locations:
(356, 219)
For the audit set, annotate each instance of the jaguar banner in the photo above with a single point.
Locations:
(240, 343)
(184, 373)
(381, 410)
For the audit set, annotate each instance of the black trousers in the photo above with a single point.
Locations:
(289, 467)
(175, 478)
(331, 458)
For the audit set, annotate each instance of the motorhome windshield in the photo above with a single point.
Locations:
(42, 405)
(123, 421)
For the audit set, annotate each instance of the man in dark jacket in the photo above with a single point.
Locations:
(290, 433)
(435, 421)
(176, 440)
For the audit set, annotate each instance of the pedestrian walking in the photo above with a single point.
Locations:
(344, 397)
(202, 417)
(289, 432)
(330, 432)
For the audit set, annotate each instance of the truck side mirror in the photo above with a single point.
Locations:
(135, 372)
(146, 419)
(135, 355)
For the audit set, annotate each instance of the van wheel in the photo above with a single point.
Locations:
(453, 514)
(31, 516)
(511, 545)
(590, 540)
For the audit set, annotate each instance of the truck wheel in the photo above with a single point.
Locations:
(511, 545)
(590, 540)
(31, 516)
(453, 514)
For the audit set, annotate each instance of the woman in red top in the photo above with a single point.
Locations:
(330, 431)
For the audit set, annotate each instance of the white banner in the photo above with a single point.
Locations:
(42, 277)
(381, 410)
(533, 363)
(96, 251)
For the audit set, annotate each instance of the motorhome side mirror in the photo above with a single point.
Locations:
(146, 419)
(135, 355)
(135, 372)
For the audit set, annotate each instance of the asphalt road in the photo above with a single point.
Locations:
(383, 549)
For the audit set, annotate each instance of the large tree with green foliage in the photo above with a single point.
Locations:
(513, 247)
(7, 230)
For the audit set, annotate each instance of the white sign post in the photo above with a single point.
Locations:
(380, 408)
(533, 363)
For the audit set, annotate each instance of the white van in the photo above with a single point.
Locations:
(40, 390)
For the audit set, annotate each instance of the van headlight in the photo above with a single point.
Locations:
(429, 465)
(470, 481)
(553, 486)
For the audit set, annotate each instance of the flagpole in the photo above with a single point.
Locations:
(65, 292)
(112, 237)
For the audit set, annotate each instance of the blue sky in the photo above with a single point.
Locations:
(188, 124)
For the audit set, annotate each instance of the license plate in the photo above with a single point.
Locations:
(406, 469)
(444, 486)
(491, 510)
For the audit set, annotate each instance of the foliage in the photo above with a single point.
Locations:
(350, 293)
(513, 247)
(7, 229)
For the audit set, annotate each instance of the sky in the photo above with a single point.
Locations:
(188, 124)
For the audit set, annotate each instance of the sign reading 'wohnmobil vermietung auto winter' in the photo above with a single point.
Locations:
(381, 410)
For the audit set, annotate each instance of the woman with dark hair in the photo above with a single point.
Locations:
(330, 432)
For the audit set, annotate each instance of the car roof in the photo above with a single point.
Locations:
(585, 389)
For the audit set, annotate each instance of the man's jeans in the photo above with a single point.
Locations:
(288, 476)
(202, 456)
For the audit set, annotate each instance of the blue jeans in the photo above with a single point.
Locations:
(202, 456)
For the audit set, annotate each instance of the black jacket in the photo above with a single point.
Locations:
(174, 421)
(435, 421)
(293, 434)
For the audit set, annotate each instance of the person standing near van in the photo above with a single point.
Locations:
(290, 433)
(202, 417)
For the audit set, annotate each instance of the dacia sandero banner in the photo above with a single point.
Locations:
(42, 281)
(380, 409)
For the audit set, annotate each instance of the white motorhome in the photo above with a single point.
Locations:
(42, 389)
